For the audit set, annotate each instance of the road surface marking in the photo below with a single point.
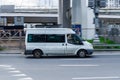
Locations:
(14, 71)
(28, 78)
(17, 72)
(110, 54)
(94, 78)
(5, 66)
(11, 68)
(19, 75)
(76, 59)
(87, 65)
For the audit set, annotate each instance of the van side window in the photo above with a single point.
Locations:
(46, 38)
(55, 38)
(30, 38)
(36, 38)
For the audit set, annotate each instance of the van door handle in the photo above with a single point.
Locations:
(64, 44)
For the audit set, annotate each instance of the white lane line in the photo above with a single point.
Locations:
(87, 65)
(76, 59)
(28, 78)
(14, 71)
(94, 78)
(110, 54)
(17, 72)
(7, 66)
(10, 68)
(20, 75)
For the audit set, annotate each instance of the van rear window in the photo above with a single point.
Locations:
(36, 38)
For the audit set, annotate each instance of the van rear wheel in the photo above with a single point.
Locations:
(82, 53)
(37, 53)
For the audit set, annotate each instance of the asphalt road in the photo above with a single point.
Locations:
(100, 66)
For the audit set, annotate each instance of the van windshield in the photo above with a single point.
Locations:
(74, 39)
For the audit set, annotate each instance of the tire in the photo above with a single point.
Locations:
(37, 53)
(82, 54)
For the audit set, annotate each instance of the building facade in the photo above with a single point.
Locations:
(81, 15)
(113, 3)
(110, 20)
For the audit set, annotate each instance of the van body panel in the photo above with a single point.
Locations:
(55, 48)
(54, 41)
(71, 48)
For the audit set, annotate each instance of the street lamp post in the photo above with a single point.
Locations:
(96, 5)
(96, 13)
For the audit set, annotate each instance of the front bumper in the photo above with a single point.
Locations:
(90, 52)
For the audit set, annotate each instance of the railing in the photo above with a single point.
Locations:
(36, 10)
(35, 7)
(108, 47)
(12, 38)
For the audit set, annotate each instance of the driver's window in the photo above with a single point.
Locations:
(70, 38)
(73, 39)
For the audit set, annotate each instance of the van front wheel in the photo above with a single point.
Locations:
(37, 53)
(81, 53)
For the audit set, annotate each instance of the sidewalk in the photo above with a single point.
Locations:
(14, 51)
(21, 51)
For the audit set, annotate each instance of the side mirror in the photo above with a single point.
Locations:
(81, 43)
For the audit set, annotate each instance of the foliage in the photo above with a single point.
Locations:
(106, 41)
(107, 44)
(91, 41)
(1, 48)
(103, 40)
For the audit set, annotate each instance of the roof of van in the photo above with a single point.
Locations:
(49, 31)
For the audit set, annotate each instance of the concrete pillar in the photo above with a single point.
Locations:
(0, 20)
(76, 16)
(18, 20)
(64, 14)
(89, 26)
(83, 16)
(76, 12)
(3, 21)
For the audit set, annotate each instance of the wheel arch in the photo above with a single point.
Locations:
(80, 50)
(37, 49)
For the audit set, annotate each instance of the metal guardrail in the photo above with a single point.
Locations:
(12, 38)
(107, 47)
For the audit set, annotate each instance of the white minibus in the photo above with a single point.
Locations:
(55, 41)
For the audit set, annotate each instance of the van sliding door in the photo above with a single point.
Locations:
(55, 43)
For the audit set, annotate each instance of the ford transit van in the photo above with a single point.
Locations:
(55, 41)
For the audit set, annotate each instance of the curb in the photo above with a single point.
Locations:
(22, 52)
(11, 52)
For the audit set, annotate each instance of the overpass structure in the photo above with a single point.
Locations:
(78, 14)
(111, 15)
(29, 16)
